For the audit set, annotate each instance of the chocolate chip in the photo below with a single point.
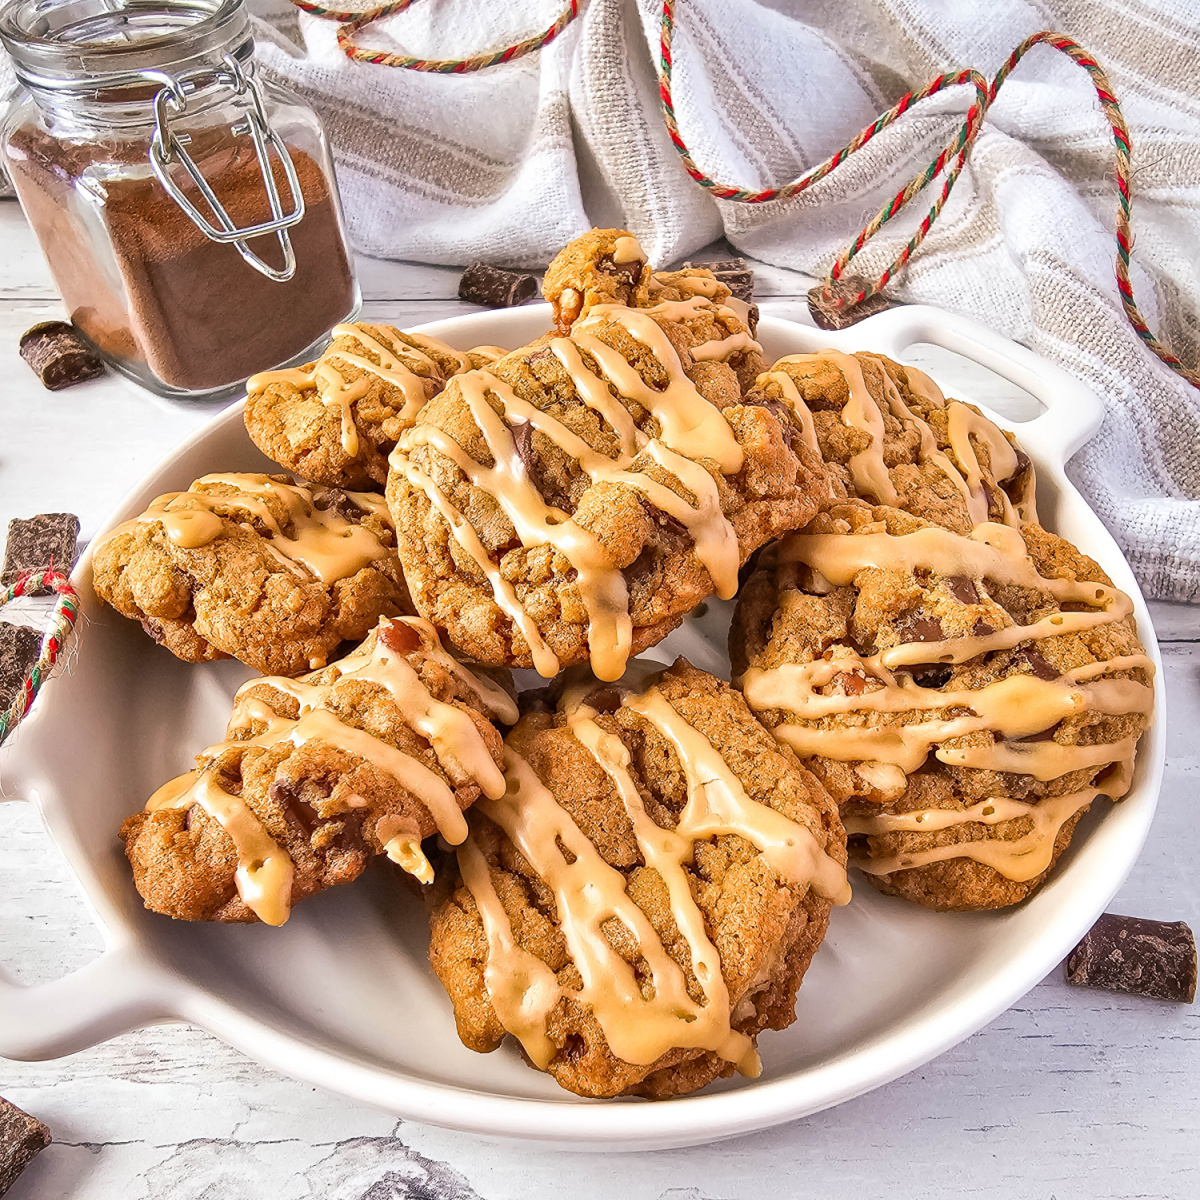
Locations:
(299, 813)
(630, 272)
(1039, 666)
(22, 1139)
(1137, 956)
(932, 677)
(494, 287)
(605, 700)
(1047, 735)
(962, 589)
(982, 629)
(664, 520)
(522, 435)
(923, 629)
(399, 637)
(19, 650)
(336, 499)
(58, 356)
(154, 629)
(828, 315)
(47, 540)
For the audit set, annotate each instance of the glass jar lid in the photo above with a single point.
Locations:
(76, 45)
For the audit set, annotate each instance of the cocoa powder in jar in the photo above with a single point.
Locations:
(145, 284)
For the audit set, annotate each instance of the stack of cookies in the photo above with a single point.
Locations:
(633, 867)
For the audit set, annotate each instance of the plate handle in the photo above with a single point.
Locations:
(1073, 413)
(111, 995)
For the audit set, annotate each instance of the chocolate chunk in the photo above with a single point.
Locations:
(522, 435)
(630, 272)
(828, 315)
(1039, 666)
(47, 540)
(1137, 956)
(932, 677)
(19, 650)
(153, 629)
(981, 629)
(494, 287)
(399, 637)
(298, 812)
(337, 499)
(733, 273)
(923, 629)
(605, 700)
(22, 1139)
(851, 682)
(58, 356)
(962, 589)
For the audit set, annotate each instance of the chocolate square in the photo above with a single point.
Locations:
(47, 540)
(19, 650)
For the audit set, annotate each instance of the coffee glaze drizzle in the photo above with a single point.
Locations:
(264, 871)
(965, 429)
(395, 367)
(1013, 708)
(690, 429)
(322, 545)
(588, 893)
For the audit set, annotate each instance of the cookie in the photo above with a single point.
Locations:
(963, 697)
(648, 893)
(609, 267)
(256, 568)
(575, 500)
(889, 436)
(369, 756)
(336, 420)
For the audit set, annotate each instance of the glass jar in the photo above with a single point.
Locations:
(188, 210)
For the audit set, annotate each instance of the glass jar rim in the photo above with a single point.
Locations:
(55, 42)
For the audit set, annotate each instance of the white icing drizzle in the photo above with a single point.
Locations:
(640, 1024)
(397, 360)
(323, 544)
(1016, 707)
(265, 871)
(689, 429)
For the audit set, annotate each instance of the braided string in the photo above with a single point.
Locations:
(62, 621)
(353, 22)
(956, 153)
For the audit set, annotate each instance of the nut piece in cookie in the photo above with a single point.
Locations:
(256, 568)
(369, 756)
(336, 420)
(890, 437)
(576, 499)
(648, 893)
(964, 697)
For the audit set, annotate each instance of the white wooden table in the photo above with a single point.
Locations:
(1070, 1093)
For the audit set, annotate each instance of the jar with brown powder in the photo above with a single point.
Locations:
(187, 209)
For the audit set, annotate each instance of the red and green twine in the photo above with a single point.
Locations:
(948, 163)
(62, 621)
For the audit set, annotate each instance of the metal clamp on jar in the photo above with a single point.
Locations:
(188, 210)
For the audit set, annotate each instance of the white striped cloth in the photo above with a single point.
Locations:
(510, 163)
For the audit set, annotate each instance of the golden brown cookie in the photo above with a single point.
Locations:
(608, 267)
(963, 697)
(575, 500)
(646, 896)
(369, 756)
(336, 420)
(889, 436)
(255, 568)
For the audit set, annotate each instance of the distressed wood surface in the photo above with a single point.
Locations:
(1069, 1093)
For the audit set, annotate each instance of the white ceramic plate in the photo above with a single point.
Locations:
(342, 996)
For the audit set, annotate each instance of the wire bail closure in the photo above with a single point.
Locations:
(167, 148)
